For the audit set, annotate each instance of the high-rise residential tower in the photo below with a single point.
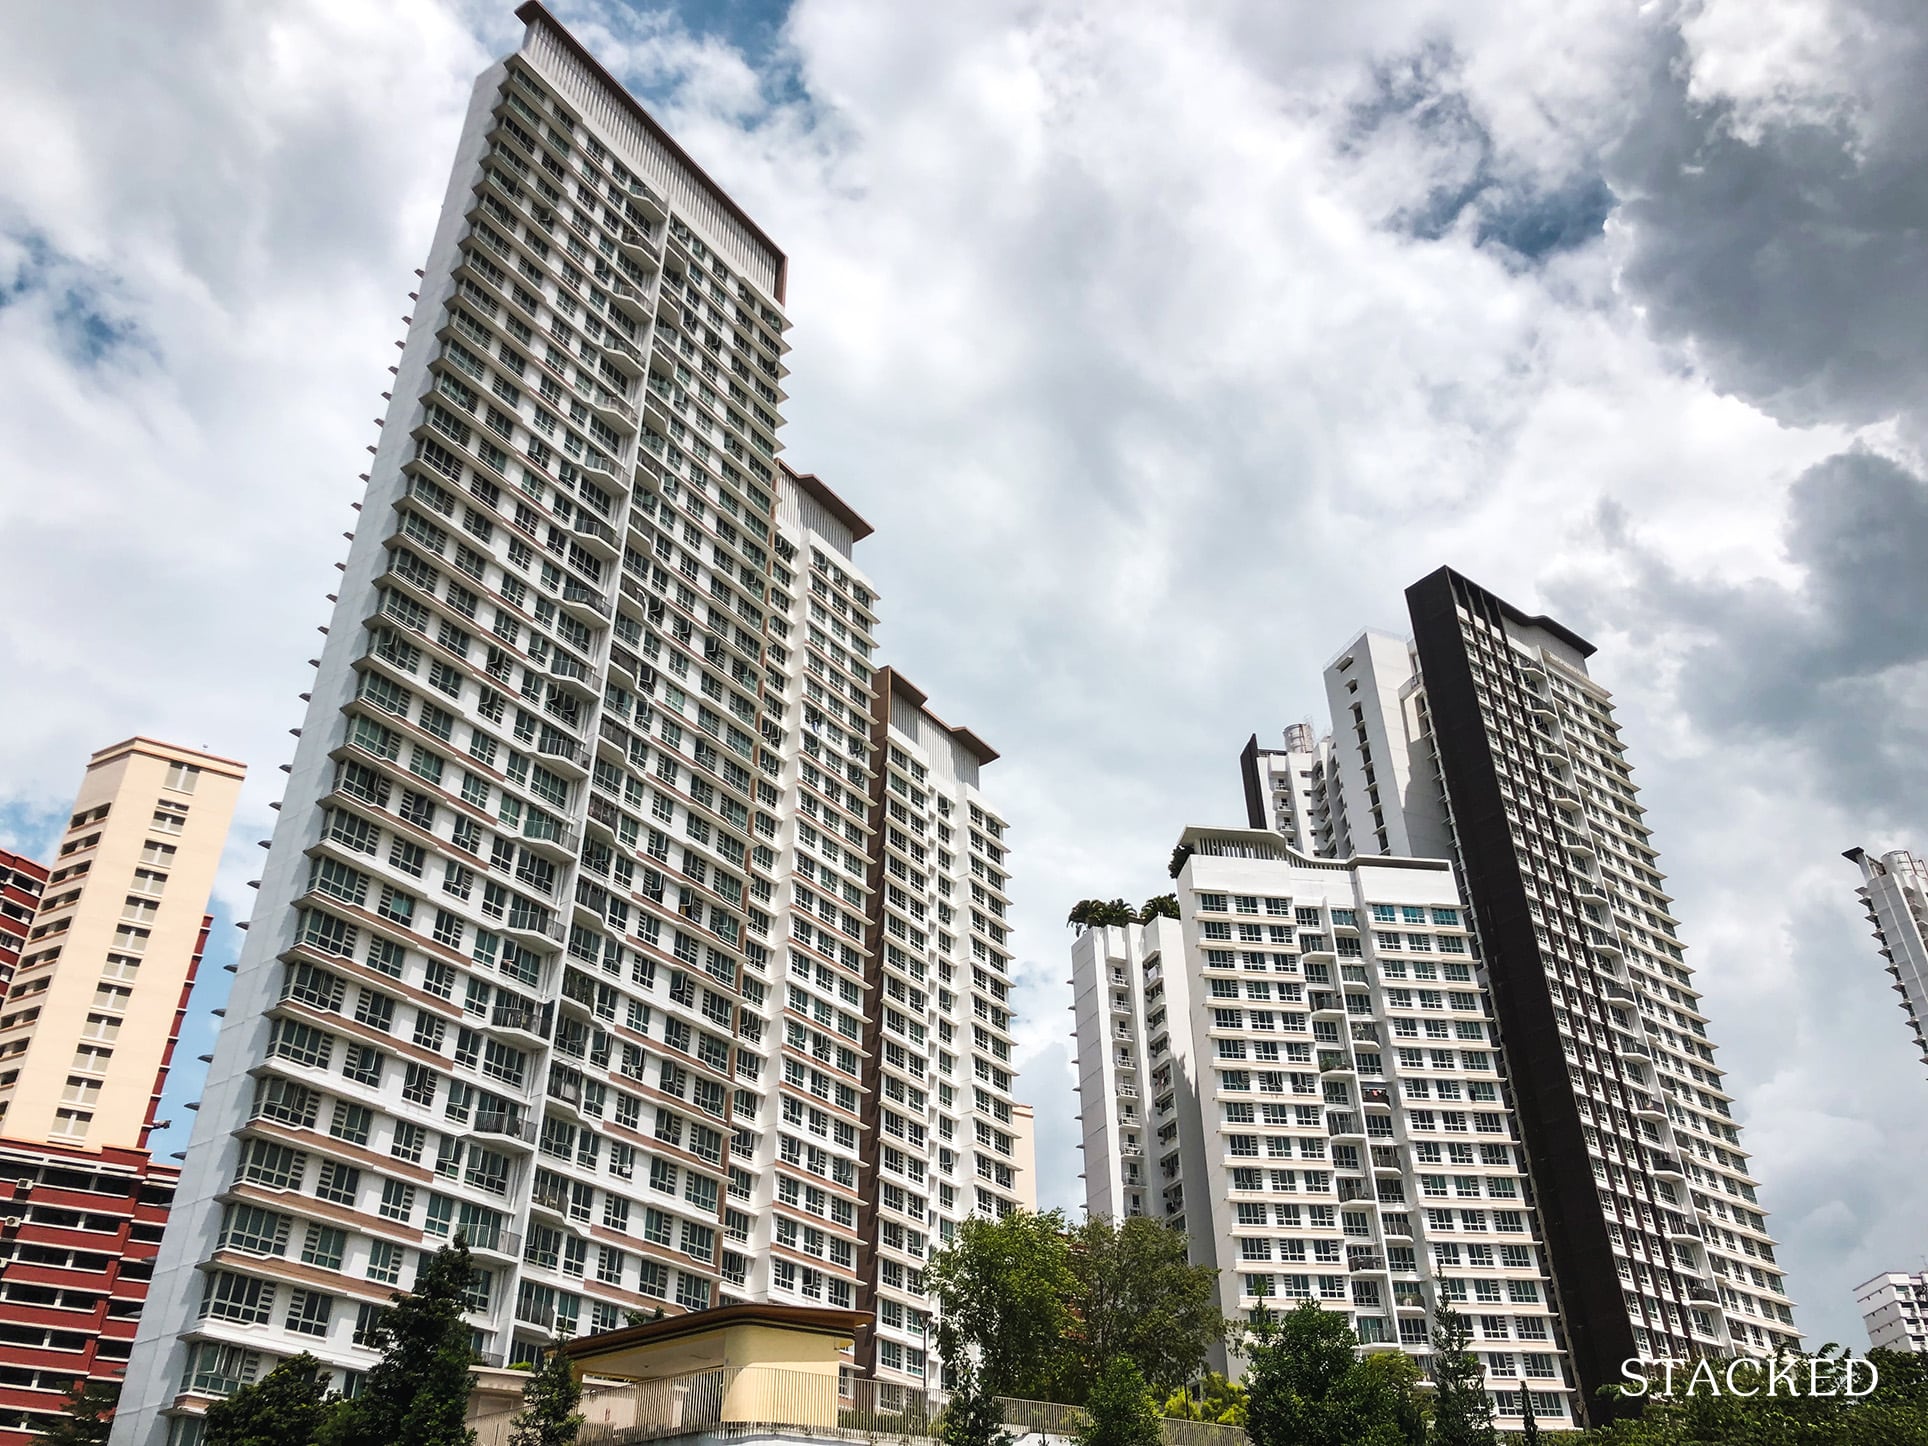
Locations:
(1895, 1309)
(568, 940)
(1658, 1240)
(941, 1141)
(96, 1002)
(1485, 742)
(108, 944)
(1894, 891)
(1299, 1072)
(1286, 789)
(22, 880)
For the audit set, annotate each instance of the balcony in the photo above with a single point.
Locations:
(638, 246)
(581, 599)
(506, 1124)
(491, 1239)
(531, 1020)
(552, 837)
(1698, 1290)
(562, 748)
(536, 929)
(631, 300)
(613, 409)
(596, 535)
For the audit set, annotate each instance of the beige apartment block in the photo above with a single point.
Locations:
(95, 1006)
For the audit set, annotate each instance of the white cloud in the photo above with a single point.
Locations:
(1121, 322)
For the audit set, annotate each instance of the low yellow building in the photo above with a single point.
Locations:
(735, 1371)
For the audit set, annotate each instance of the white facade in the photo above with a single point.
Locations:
(1895, 1310)
(566, 938)
(1301, 1074)
(1485, 743)
(1895, 894)
(1287, 790)
(945, 1137)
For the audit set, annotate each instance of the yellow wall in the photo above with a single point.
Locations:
(65, 994)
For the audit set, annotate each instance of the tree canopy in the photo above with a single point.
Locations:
(89, 1416)
(417, 1394)
(1098, 913)
(1042, 1309)
(1119, 1411)
(1159, 906)
(1138, 1297)
(1307, 1386)
(1001, 1289)
(290, 1406)
(1462, 1411)
(549, 1399)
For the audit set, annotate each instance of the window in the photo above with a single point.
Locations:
(239, 1298)
(308, 1312)
(351, 1122)
(182, 778)
(254, 1230)
(324, 1247)
(275, 1166)
(301, 1043)
(385, 1262)
(398, 1200)
(338, 1183)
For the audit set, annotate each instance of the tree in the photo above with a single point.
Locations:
(1529, 1428)
(417, 1394)
(89, 1417)
(290, 1406)
(1400, 1376)
(1119, 1411)
(1462, 1411)
(1136, 1295)
(972, 1417)
(1181, 855)
(1306, 1385)
(1097, 913)
(1000, 1290)
(549, 1398)
(1159, 906)
(1219, 1401)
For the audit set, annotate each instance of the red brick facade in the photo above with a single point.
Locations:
(78, 1234)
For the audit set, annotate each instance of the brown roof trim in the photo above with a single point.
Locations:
(140, 743)
(964, 737)
(833, 504)
(793, 1317)
(533, 11)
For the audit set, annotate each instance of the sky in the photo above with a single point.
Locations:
(1163, 346)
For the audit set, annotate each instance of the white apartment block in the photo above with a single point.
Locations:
(1287, 789)
(567, 937)
(1894, 891)
(1895, 1309)
(1300, 1073)
(944, 1136)
(1485, 743)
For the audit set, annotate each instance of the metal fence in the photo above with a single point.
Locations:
(739, 1401)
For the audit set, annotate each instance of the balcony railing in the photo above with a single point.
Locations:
(758, 1401)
